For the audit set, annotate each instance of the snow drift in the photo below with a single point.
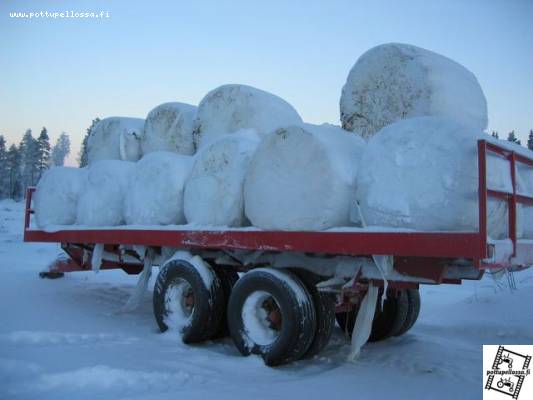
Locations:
(155, 195)
(422, 173)
(57, 194)
(115, 138)
(230, 108)
(303, 178)
(397, 81)
(102, 198)
(214, 190)
(169, 127)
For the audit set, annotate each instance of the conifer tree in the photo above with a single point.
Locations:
(43, 153)
(82, 156)
(61, 149)
(14, 162)
(512, 138)
(4, 169)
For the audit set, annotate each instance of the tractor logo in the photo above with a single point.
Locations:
(508, 373)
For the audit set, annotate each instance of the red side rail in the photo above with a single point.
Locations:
(512, 198)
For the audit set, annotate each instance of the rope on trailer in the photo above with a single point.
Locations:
(134, 300)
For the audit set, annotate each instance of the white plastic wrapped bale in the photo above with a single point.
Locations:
(422, 174)
(303, 178)
(115, 138)
(214, 190)
(155, 195)
(398, 81)
(102, 199)
(169, 127)
(57, 194)
(230, 108)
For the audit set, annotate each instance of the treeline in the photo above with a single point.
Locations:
(23, 165)
(511, 137)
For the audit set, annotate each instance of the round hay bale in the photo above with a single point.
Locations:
(101, 202)
(302, 177)
(422, 174)
(155, 195)
(230, 108)
(169, 127)
(115, 138)
(214, 190)
(398, 81)
(57, 195)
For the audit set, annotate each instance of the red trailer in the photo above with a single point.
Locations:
(292, 285)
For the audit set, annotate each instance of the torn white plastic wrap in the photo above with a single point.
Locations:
(155, 195)
(230, 108)
(135, 299)
(302, 177)
(115, 138)
(422, 174)
(169, 127)
(363, 323)
(397, 81)
(214, 189)
(56, 198)
(101, 202)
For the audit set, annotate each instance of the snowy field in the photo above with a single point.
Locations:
(65, 339)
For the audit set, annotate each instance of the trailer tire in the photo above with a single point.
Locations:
(413, 295)
(271, 313)
(324, 308)
(228, 278)
(387, 321)
(178, 282)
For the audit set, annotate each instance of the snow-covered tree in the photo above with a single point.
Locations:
(495, 135)
(82, 156)
(512, 138)
(61, 149)
(4, 170)
(29, 159)
(43, 153)
(530, 140)
(14, 162)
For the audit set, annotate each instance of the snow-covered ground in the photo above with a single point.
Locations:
(65, 339)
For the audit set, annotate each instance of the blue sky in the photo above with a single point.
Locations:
(62, 73)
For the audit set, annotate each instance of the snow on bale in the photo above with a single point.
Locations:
(422, 173)
(398, 81)
(155, 195)
(302, 177)
(169, 127)
(102, 198)
(115, 138)
(230, 108)
(214, 190)
(57, 194)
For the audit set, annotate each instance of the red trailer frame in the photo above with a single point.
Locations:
(425, 255)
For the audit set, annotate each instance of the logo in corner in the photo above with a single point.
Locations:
(509, 370)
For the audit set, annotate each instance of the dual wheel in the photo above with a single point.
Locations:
(399, 313)
(278, 314)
